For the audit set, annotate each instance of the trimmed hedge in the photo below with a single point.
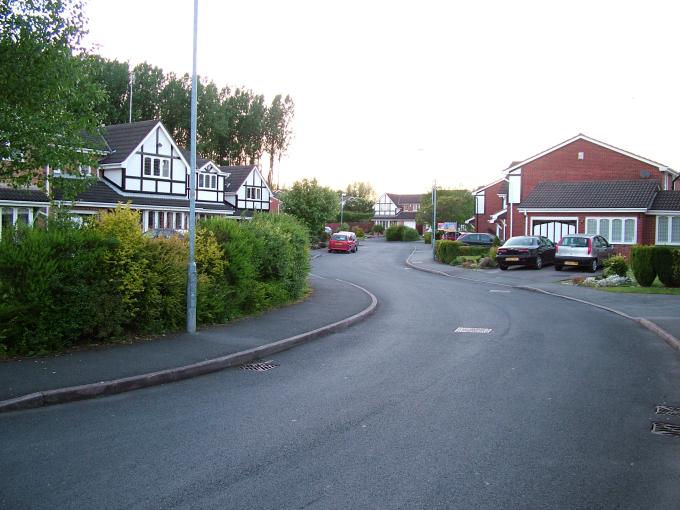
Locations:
(662, 260)
(448, 251)
(70, 285)
(401, 233)
(642, 264)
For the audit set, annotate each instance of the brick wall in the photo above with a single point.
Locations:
(492, 204)
(597, 164)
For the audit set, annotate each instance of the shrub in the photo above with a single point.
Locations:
(409, 234)
(378, 229)
(394, 233)
(447, 251)
(358, 231)
(662, 258)
(642, 264)
(53, 292)
(675, 279)
(343, 227)
(427, 237)
(615, 265)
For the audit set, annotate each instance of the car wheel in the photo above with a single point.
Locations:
(503, 267)
(330, 251)
(539, 262)
(593, 266)
(558, 267)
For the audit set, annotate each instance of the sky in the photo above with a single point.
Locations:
(403, 94)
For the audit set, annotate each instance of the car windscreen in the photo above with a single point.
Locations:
(338, 237)
(521, 241)
(576, 242)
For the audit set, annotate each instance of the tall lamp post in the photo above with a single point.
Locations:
(342, 207)
(434, 220)
(191, 283)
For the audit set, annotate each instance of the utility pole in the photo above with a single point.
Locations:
(191, 281)
(132, 82)
(434, 220)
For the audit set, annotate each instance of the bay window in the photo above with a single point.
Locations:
(614, 230)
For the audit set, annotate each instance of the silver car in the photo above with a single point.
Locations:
(582, 250)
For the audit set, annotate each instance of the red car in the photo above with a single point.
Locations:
(343, 241)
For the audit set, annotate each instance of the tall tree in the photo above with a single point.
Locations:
(312, 203)
(452, 205)
(277, 130)
(47, 97)
(175, 107)
(146, 91)
(114, 78)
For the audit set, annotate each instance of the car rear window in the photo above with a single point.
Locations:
(339, 237)
(576, 242)
(521, 241)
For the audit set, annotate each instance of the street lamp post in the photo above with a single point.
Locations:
(342, 207)
(434, 221)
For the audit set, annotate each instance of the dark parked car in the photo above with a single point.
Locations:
(477, 239)
(534, 251)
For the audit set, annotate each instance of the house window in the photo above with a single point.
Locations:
(615, 230)
(166, 168)
(157, 167)
(207, 181)
(668, 230)
(253, 193)
(147, 166)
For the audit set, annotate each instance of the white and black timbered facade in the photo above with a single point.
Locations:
(392, 209)
(246, 190)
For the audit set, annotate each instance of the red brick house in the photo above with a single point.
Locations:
(587, 186)
(491, 208)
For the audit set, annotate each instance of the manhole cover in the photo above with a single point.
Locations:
(262, 366)
(666, 429)
(674, 411)
(472, 330)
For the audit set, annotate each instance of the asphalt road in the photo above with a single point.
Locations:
(550, 409)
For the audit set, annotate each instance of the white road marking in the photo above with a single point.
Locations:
(472, 330)
(503, 291)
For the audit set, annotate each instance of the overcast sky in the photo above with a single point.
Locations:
(401, 93)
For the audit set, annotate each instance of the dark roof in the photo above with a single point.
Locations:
(404, 199)
(199, 160)
(666, 201)
(401, 215)
(23, 195)
(592, 194)
(100, 192)
(95, 141)
(123, 138)
(238, 174)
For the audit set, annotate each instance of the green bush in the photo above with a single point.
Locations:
(427, 237)
(642, 264)
(447, 251)
(615, 265)
(358, 231)
(342, 227)
(666, 260)
(53, 292)
(394, 233)
(409, 234)
(378, 229)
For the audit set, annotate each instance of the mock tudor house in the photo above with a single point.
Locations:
(585, 186)
(142, 165)
(246, 190)
(392, 209)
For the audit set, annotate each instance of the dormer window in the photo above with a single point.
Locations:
(156, 167)
(207, 181)
(253, 193)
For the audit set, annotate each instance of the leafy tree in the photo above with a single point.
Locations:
(311, 203)
(452, 205)
(47, 97)
(361, 198)
(277, 130)
(175, 107)
(149, 82)
(114, 78)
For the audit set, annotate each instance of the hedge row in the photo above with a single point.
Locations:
(68, 285)
(401, 233)
(447, 251)
(648, 262)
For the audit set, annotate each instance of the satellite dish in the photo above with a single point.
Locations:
(644, 174)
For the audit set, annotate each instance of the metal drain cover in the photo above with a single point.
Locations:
(261, 366)
(666, 429)
(674, 411)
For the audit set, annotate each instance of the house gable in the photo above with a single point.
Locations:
(246, 189)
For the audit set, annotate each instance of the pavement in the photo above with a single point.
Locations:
(33, 382)
(656, 312)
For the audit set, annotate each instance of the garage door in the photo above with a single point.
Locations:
(553, 229)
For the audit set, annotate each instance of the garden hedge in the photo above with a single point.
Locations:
(401, 233)
(68, 285)
(448, 251)
(642, 264)
(665, 260)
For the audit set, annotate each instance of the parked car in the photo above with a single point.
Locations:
(450, 236)
(477, 239)
(164, 233)
(343, 241)
(328, 230)
(582, 250)
(534, 251)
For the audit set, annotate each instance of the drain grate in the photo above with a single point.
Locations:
(262, 366)
(674, 411)
(666, 429)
